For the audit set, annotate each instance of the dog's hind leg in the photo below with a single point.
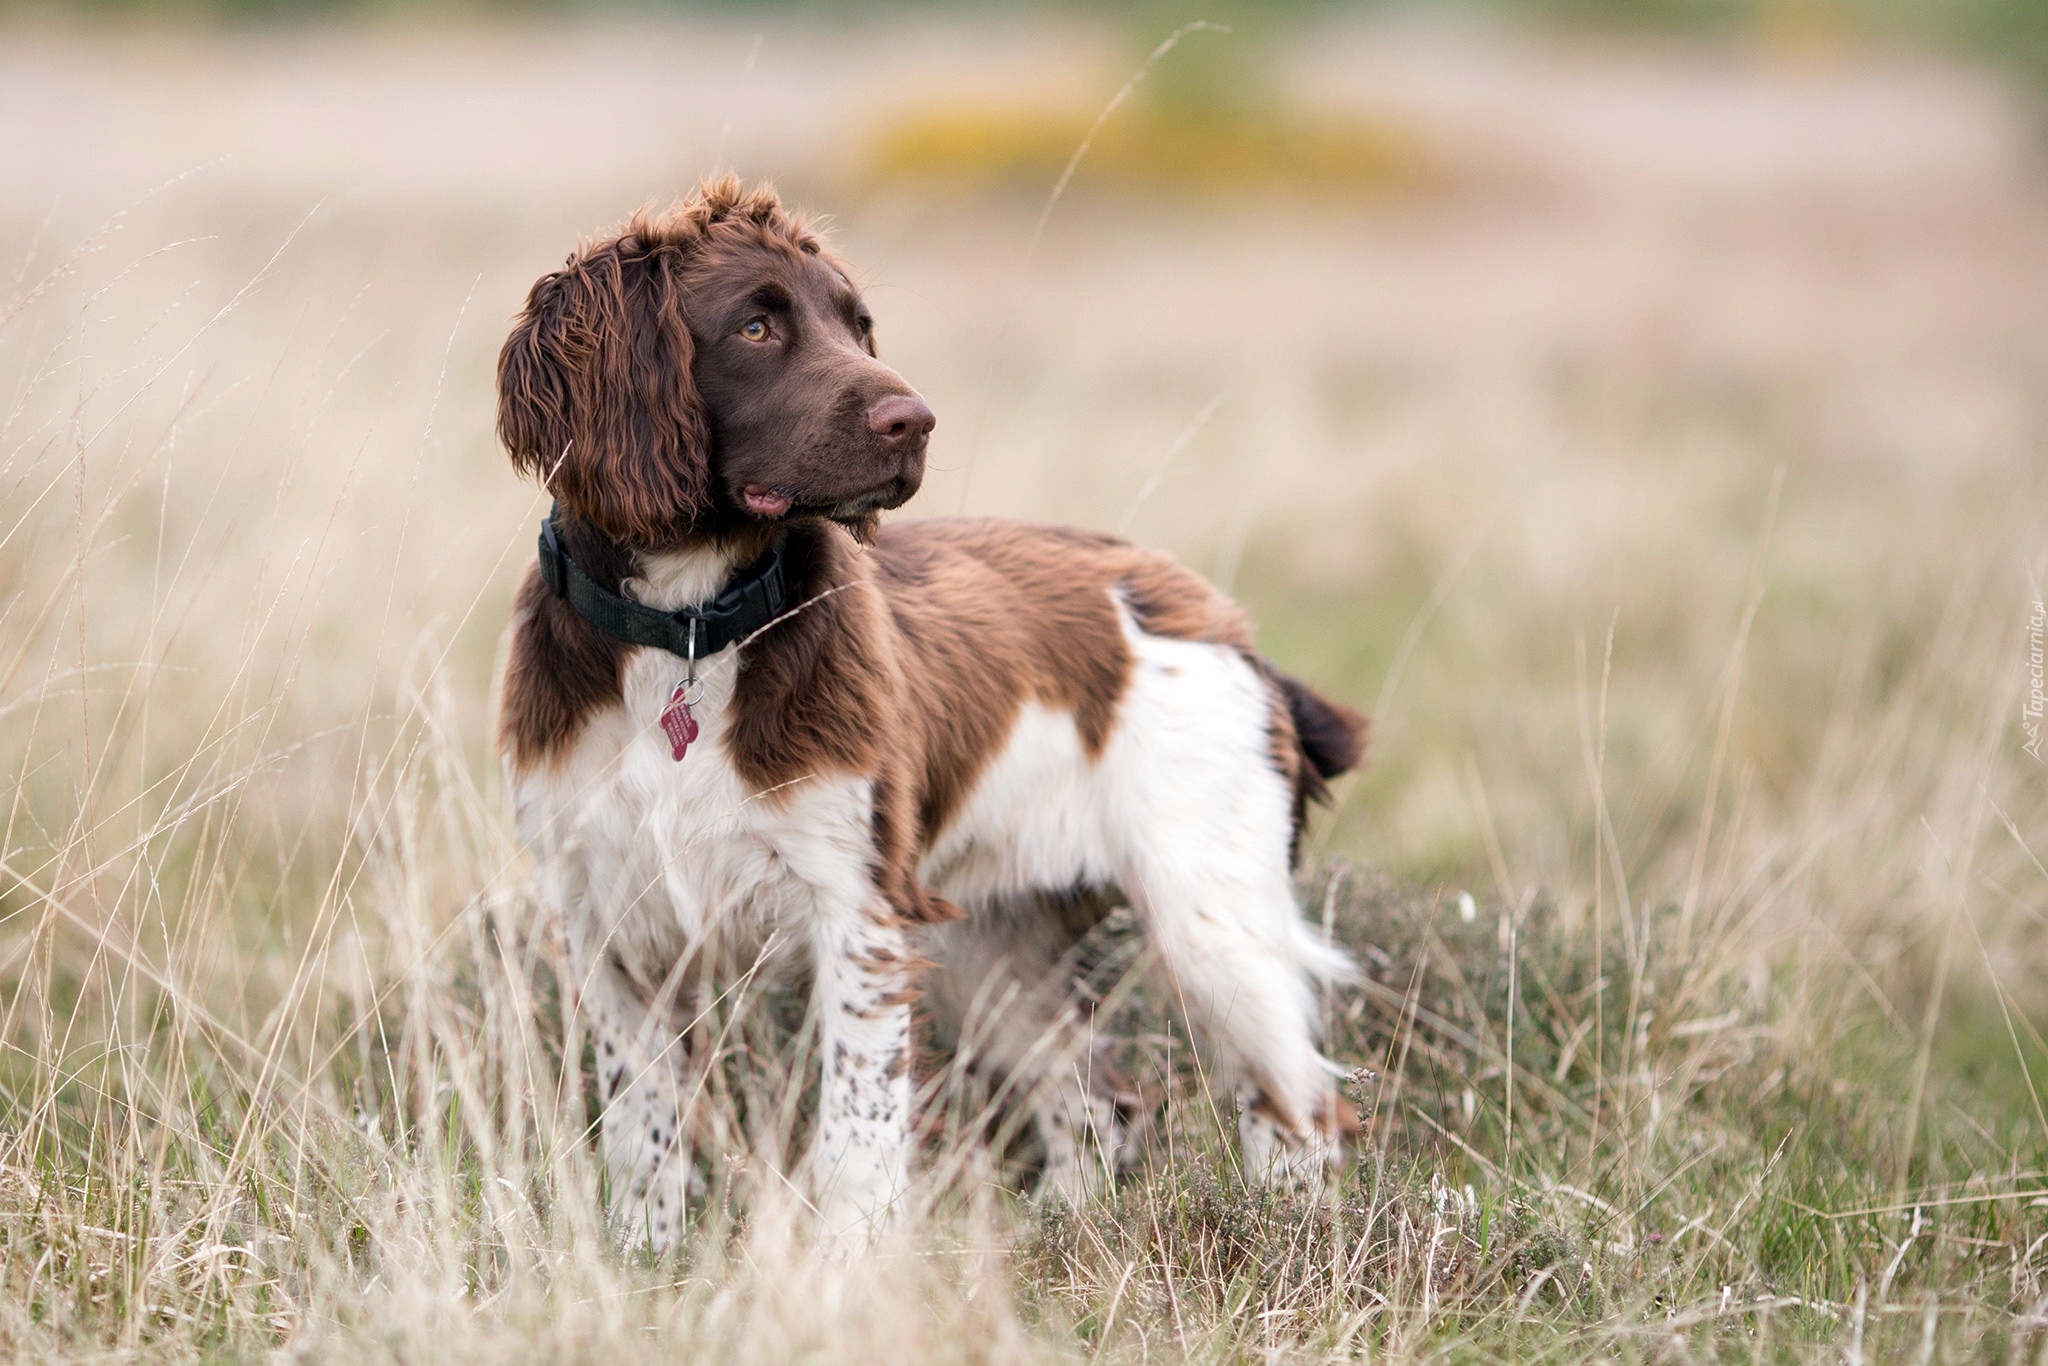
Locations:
(1207, 835)
(1230, 958)
(1004, 1001)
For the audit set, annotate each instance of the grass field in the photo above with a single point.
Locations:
(1666, 471)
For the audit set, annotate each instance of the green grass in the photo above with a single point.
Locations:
(1719, 1178)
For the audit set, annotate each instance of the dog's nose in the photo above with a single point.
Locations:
(902, 420)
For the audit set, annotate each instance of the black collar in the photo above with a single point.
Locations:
(752, 598)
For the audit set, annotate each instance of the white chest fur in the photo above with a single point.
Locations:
(644, 855)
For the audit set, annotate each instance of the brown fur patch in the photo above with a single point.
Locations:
(562, 669)
(595, 397)
(991, 614)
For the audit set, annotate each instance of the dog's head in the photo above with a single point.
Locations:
(705, 369)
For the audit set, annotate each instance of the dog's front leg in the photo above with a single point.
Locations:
(640, 1065)
(864, 988)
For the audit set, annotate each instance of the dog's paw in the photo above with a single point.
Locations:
(1279, 1154)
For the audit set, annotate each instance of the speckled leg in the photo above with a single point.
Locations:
(862, 993)
(641, 1080)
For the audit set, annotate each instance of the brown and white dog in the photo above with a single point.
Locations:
(954, 746)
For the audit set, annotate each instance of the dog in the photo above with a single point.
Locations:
(930, 755)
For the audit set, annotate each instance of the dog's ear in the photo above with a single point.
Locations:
(595, 397)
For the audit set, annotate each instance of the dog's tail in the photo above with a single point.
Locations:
(1331, 735)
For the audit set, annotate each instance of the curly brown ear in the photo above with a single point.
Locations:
(595, 397)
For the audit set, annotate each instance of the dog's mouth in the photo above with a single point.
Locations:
(770, 504)
(763, 502)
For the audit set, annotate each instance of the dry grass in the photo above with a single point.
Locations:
(1680, 528)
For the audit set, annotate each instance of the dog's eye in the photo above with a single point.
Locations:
(755, 329)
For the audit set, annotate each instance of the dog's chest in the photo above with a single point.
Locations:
(648, 854)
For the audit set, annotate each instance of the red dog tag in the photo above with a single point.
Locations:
(678, 724)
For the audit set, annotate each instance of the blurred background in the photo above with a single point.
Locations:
(1446, 334)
